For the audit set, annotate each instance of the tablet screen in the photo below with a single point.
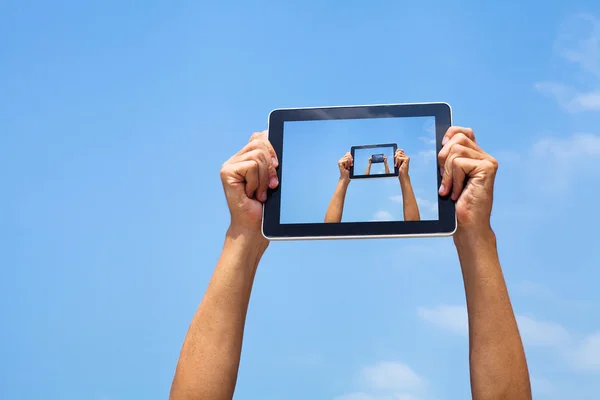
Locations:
(331, 170)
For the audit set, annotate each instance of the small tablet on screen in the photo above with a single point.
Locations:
(363, 161)
(330, 159)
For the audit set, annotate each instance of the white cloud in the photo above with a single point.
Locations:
(395, 376)
(560, 157)
(424, 204)
(383, 215)
(569, 97)
(582, 355)
(572, 148)
(446, 317)
(355, 396)
(533, 332)
(427, 205)
(578, 42)
(541, 333)
(388, 380)
(587, 355)
(429, 138)
(428, 156)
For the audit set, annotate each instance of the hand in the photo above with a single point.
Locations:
(344, 165)
(468, 175)
(401, 160)
(246, 177)
(385, 159)
(370, 160)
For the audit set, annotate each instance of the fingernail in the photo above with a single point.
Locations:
(263, 196)
(442, 171)
(445, 140)
(274, 161)
(273, 182)
(442, 190)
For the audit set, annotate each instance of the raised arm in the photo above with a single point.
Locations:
(370, 163)
(210, 356)
(385, 164)
(409, 201)
(497, 359)
(336, 204)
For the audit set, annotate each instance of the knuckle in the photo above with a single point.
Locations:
(255, 136)
(454, 162)
(460, 137)
(442, 156)
(223, 171)
(458, 149)
(254, 165)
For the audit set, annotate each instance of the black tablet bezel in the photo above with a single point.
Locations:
(274, 230)
(394, 146)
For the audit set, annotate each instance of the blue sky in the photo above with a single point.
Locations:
(312, 149)
(115, 120)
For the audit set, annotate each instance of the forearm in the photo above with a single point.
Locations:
(497, 359)
(336, 205)
(409, 201)
(210, 356)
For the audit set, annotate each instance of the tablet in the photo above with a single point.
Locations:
(373, 154)
(329, 159)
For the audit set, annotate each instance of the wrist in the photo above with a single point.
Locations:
(404, 177)
(471, 238)
(345, 181)
(247, 240)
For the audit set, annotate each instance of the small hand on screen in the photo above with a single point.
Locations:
(401, 160)
(344, 165)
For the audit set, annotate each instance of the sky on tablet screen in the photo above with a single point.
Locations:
(311, 150)
(115, 120)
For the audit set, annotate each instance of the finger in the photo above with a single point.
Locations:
(261, 139)
(454, 130)
(466, 167)
(246, 171)
(448, 179)
(261, 156)
(273, 180)
(458, 139)
(459, 176)
(259, 135)
(345, 162)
